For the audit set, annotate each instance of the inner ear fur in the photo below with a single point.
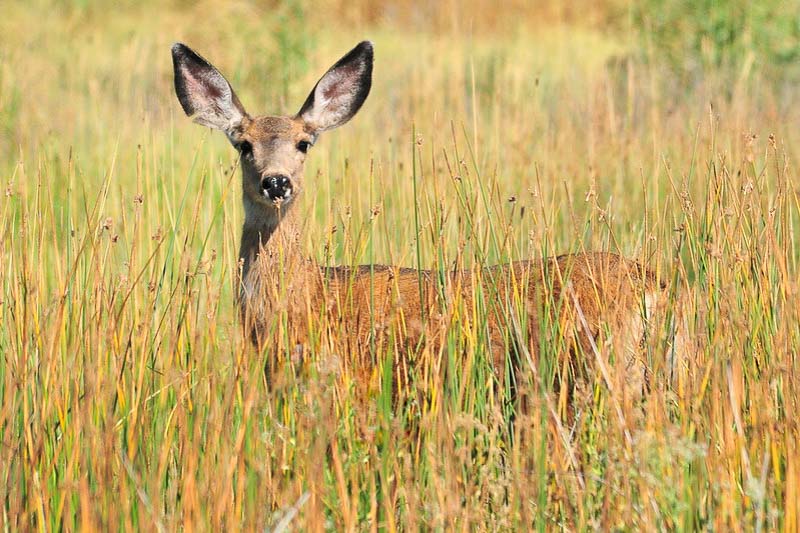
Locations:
(341, 91)
(204, 93)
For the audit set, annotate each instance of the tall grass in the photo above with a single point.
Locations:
(131, 400)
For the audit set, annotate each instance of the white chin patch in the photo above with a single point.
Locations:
(280, 200)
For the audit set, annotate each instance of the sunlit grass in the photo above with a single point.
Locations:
(130, 399)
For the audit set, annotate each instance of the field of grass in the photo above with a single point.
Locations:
(130, 399)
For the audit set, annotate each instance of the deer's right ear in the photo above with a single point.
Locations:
(204, 93)
(339, 94)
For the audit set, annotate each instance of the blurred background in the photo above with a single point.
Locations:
(587, 92)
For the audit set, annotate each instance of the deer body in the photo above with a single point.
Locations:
(378, 305)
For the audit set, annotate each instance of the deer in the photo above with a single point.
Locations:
(595, 295)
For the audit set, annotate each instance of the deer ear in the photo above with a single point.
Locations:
(339, 94)
(204, 93)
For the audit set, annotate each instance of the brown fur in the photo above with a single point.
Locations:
(385, 307)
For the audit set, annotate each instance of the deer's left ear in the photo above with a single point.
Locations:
(340, 93)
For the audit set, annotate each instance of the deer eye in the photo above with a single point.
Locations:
(303, 146)
(245, 148)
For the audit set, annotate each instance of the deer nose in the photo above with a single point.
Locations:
(277, 187)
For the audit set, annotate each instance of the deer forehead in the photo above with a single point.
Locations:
(267, 128)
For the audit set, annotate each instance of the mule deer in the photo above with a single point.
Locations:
(594, 292)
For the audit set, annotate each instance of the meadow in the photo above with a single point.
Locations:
(130, 398)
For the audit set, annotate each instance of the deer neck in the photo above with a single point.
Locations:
(270, 238)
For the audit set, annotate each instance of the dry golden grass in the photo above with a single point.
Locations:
(130, 399)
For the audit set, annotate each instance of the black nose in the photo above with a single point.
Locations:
(277, 187)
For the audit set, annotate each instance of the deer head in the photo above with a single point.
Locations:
(272, 148)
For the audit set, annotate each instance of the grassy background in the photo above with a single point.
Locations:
(661, 130)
